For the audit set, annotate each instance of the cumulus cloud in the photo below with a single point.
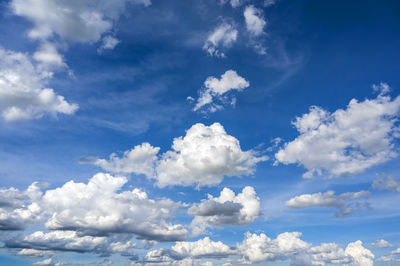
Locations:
(48, 261)
(202, 248)
(345, 203)
(203, 157)
(255, 22)
(359, 254)
(227, 209)
(218, 90)
(345, 142)
(81, 21)
(381, 243)
(220, 40)
(23, 94)
(387, 183)
(71, 241)
(140, 160)
(97, 208)
(19, 209)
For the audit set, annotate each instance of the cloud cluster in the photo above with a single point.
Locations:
(202, 158)
(218, 90)
(220, 39)
(23, 92)
(345, 142)
(345, 203)
(227, 209)
(259, 248)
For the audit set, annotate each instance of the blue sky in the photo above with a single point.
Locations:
(209, 132)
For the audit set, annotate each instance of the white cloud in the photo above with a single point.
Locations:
(382, 243)
(49, 59)
(202, 248)
(140, 160)
(216, 90)
(70, 241)
(361, 256)
(255, 22)
(345, 203)
(48, 261)
(203, 157)
(96, 208)
(34, 253)
(81, 21)
(388, 183)
(220, 39)
(18, 209)
(228, 208)
(345, 142)
(108, 43)
(257, 248)
(22, 89)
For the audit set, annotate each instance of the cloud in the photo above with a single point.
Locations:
(360, 255)
(81, 21)
(220, 40)
(48, 261)
(34, 253)
(345, 142)
(22, 89)
(49, 59)
(96, 208)
(388, 183)
(108, 43)
(227, 209)
(18, 209)
(255, 22)
(217, 90)
(202, 248)
(343, 202)
(140, 160)
(71, 241)
(257, 248)
(381, 243)
(203, 157)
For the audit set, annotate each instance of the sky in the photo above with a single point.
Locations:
(200, 132)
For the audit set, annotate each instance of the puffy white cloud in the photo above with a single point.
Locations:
(203, 157)
(382, 243)
(344, 202)
(202, 248)
(255, 22)
(108, 43)
(35, 253)
(48, 261)
(257, 248)
(71, 241)
(360, 255)
(82, 20)
(96, 208)
(330, 253)
(49, 59)
(388, 183)
(22, 89)
(228, 208)
(140, 160)
(347, 141)
(18, 209)
(217, 89)
(220, 39)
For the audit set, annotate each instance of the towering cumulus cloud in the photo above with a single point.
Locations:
(347, 141)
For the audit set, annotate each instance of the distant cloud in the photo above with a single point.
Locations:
(255, 23)
(227, 209)
(202, 248)
(220, 39)
(387, 183)
(108, 43)
(215, 93)
(202, 158)
(381, 243)
(345, 203)
(345, 142)
(23, 92)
